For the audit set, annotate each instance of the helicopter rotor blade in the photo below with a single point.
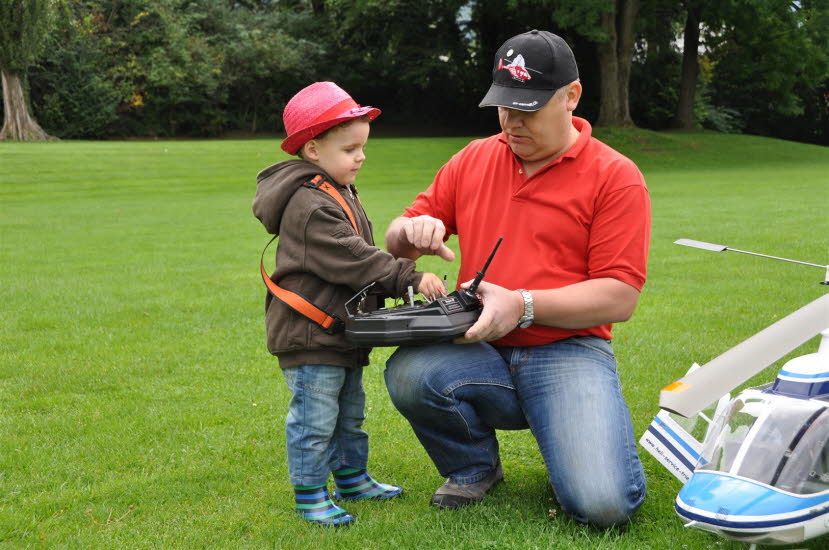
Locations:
(692, 393)
(703, 245)
(722, 248)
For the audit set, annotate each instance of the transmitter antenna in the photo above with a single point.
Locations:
(474, 286)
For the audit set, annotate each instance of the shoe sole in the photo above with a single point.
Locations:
(332, 524)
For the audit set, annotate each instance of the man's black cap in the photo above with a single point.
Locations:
(528, 69)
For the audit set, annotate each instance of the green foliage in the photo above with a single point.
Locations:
(207, 67)
(72, 97)
(653, 91)
(167, 75)
(403, 55)
(171, 67)
(267, 57)
(770, 58)
(24, 27)
(706, 112)
(721, 119)
(584, 16)
(656, 64)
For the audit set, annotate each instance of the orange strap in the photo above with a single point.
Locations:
(318, 182)
(299, 304)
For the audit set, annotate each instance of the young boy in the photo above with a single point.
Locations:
(325, 255)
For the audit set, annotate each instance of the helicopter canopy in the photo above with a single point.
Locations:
(776, 440)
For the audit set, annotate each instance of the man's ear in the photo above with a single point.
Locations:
(310, 151)
(573, 94)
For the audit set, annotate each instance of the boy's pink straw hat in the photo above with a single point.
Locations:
(317, 108)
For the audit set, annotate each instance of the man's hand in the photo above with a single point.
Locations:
(425, 234)
(502, 310)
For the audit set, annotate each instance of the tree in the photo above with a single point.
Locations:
(24, 28)
(771, 62)
(166, 72)
(657, 60)
(684, 116)
(69, 88)
(268, 56)
(702, 17)
(611, 25)
(413, 53)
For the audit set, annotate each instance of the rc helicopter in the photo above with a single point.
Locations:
(760, 475)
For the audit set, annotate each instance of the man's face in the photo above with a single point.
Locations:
(340, 152)
(537, 135)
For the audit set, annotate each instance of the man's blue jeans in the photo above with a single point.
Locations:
(567, 393)
(324, 423)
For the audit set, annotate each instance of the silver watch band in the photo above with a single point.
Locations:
(529, 312)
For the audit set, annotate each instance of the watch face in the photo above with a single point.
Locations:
(526, 323)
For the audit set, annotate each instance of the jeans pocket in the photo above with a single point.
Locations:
(290, 377)
(322, 379)
(596, 344)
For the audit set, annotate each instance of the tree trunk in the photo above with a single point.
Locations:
(684, 116)
(615, 58)
(317, 6)
(608, 75)
(18, 124)
(255, 111)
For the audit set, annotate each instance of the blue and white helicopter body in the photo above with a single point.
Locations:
(763, 476)
(761, 473)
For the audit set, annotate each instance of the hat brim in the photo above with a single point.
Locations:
(292, 143)
(520, 99)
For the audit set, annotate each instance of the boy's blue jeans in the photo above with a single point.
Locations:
(324, 423)
(567, 393)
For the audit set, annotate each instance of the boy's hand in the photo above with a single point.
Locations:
(431, 286)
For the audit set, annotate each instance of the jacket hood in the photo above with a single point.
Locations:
(275, 185)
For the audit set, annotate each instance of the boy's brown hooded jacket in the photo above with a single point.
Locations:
(321, 258)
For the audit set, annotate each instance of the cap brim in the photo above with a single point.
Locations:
(519, 99)
(292, 143)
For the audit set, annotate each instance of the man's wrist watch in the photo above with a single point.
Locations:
(529, 314)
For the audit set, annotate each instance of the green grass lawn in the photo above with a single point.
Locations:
(140, 408)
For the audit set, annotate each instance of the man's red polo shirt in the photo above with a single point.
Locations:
(586, 215)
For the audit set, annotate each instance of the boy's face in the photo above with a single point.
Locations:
(340, 152)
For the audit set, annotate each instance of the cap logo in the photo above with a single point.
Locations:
(519, 104)
(517, 68)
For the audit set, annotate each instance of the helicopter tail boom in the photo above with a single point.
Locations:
(692, 393)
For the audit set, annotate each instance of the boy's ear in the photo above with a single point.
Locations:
(309, 150)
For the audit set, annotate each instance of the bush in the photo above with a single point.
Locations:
(70, 96)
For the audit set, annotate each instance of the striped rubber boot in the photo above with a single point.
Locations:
(314, 504)
(354, 484)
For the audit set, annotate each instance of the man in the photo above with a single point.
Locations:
(575, 217)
